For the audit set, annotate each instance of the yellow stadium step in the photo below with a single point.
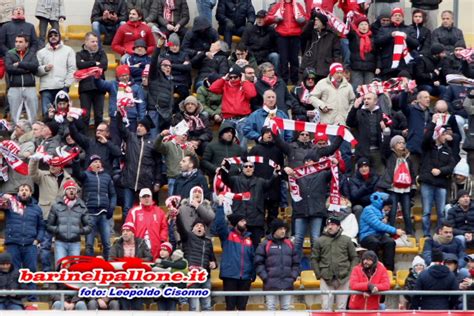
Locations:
(256, 307)
(298, 307)
(393, 282)
(235, 39)
(77, 32)
(408, 250)
(112, 61)
(422, 244)
(118, 214)
(219, 307)
(216, 244)
(401, 277)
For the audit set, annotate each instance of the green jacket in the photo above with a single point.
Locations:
(210, 101)
(333, 257)
(173, 153)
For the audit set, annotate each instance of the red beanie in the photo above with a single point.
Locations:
(167, 246)
(397, 10)
(129, 226)
(335, 67)
(122, 70)
(69, 184)
(320, 137)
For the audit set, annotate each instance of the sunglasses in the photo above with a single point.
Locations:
(233, 77)
(248, 166)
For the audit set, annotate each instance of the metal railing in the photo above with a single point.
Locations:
(463, 294)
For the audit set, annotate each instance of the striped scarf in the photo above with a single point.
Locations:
(400, 50)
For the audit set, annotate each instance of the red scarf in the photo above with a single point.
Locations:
(271, 81)
(365, 45)
(68, 202)
(194, 122)
(168, 10)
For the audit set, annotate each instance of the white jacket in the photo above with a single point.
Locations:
(63, 59)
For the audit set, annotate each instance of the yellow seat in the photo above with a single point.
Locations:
(422, 244)
(235, 39)
(152, 307)
(298, 307)
(316, 307)
(118, 214)
(392, 280)
(401, 277)
(309, 280)
(256, 307)
(112, 61)
(2, 216)
(408, 250)
(3, 88)
(216, 244)
(42, 306)
(258, 283)
(307, 246)
(216, 282)
(469, 38)
(297, 284)
(74, 91)
(77, 32)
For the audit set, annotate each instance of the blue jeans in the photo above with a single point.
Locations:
(63, 249)
(45, 253)
(239, 124)
(301, 225)
(430, 194)
(171, 182)
(229, 32)
(166, 304)
(205, 8)
(47, 99)
(135, 304)
(128, 200)
(109, 30)
(10, 306)
(25, 257)
(101, 224)
(274, 58)
(404, 199)
(80, 306)
(204, 302)
(346, 53)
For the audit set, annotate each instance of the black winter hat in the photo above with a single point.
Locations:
(5, 258)
(276, 224)
(436, 255)
(235, 71)
(198, 221)
(139, 43)
(321, 17)
(436, 49)
(94, 158)
(53, 127)
(363, 162)
(147, 122)
(460, 43)
(234, 219)
(369, 254)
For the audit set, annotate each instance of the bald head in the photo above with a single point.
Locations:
(441, 106)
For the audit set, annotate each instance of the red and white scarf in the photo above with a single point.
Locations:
(172, 203)
(168, 10)
(391, 85)
(303, 171)
(194, 122)
(125, 100)
(297, 13)
(291, 125)
(95, 72)
(9, 151)
(400, 50)
(341, 28)
(70, 203)
(467, 54)
(17, 206)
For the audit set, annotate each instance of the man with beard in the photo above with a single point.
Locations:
(370, 277)
(25, 227)
(333, 257)
(237, 263)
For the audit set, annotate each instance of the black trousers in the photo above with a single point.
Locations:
(93, 99)
(233, 302)
(257, 234)
(381, 243)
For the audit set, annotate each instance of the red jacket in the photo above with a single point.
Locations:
(235, 98)
(360, 282)
(128, 33)
(150, 224)
(350, 5)
(289, 26)
(326, 5)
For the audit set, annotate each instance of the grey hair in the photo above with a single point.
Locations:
(25, 125)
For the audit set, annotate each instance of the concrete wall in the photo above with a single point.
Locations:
(78, 11)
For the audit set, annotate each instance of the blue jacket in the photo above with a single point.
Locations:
(237, 250)
(98, 190)
(454, 247)
(417, 123)
(370, 222)
(111, 86)
(136, 72)
(24, 229)
(254, 123)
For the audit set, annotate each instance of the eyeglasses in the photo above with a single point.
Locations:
(248, 166)
(311, 78)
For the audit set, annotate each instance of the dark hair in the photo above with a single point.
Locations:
(444, 223)
(25, 185)
(247, 66)
(423, 14)
(89, 34)
(241, 46)
(27, 39)
(139, 12)
(194, 160)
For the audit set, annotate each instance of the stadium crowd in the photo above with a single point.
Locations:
(345, 121)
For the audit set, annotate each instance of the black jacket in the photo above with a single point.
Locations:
(183, 185)
(260, 41)
(435, 278)
(447, 37)
(426, 4)
(180, 13)
(253, 210)
(217, 65)
(160, 92)
(323, 49)
(462, 221)
(239, 12)
(425, 70)
(386, 180)
(141, 250)
(117, 6)
(360, 190)
(68, 224)
(181, 72)
(22, 75)
(9, 281)
(86, 59)
(453, 65)
(285, 100)
(357, 63)
(366, 125)
(313, 190)
(423, 35)
(433, 157)
(10, 30)
(197, 250)
(279, 266)
(200, 37)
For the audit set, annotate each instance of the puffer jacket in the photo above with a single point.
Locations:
(235, 97)
(142, 164)
(370, 222)
(277, 264)
(23, 75)
(454, 247)
(141, 250)
(181, 72)
(334, 257)
(260, 41)
(313, 190)
(63, 58)
(239, 12)
(117, 6)
(360, 282)
(447, 36)
(11, 29)
(68, 224)
(288, 26)
(128, 33)
(218, 65)
(51, 10)
(137, 71)
(200, 37)
(180, 13)
(23, 230)
(188, 214)
(98, 190)
(197, 250)
(9, 281)
(426, 4)
(86, 59)
(237, 260)
(210, 101)
(462, 221)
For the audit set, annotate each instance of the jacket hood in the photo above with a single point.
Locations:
(61, 96)
(200, 24)
(378, 199)
(225, 126)
(438, 271)
(199, 108)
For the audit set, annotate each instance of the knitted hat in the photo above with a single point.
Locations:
(276, 224)
(462, 168)
(461, 193)
(320, 136)
(198, 221)
(130, 226)
(234, 219)
(147, 123)
(94, 158)
(139, 43)
(261, 14)
(395, 140)
(436, 255)
(5, 258)
(335, 67)
(418, 260)
(321, 17)
(369, 254)
(69, 184)
(53, 127)
(122, 70)
(333, 220)
(436, 49)
(359, 19)
(397, 10)
(460, 43)
(173, 40)
(167, 246)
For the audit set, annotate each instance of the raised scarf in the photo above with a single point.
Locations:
(194, 122)
(391, 85)
(365, 45)
(168, 10)
(297, 13)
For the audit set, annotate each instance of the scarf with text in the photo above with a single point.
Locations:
(400, 50)
(391, 85)
(9, 151)
(297, 11)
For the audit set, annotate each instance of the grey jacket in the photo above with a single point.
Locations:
(68, 224)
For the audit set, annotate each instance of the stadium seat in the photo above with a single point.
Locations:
(422, 244)
(3, 88)
(408, 250)
(216, 244)
(256, 307)
(2, 216)
(216, 282)
(401, 277)
(77, 32)
(219, 307)
(118, 214)
(112, 61)
(257, 284)
(309, 280)
(235, 39)
(298, 307)
(152, 307)
(392, 280)
(74, 91)
(307, 246)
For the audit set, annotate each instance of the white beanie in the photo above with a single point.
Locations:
(462, 168)
(418, 260)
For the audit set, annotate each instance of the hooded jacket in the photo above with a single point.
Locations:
(436, 278)
(370, 222)
(173, 154)
(204, 135)
(128, 33)
(235, 97)
(180, 71)
(67, 224)
(188, 213)
(200, 37)
(63, 58)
